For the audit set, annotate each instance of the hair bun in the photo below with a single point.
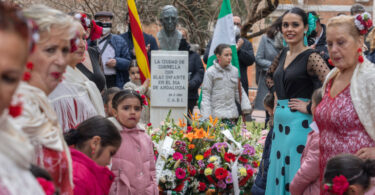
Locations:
(369, 167)
(363, 22)
(72, 137)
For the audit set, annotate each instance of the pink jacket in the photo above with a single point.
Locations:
(134, 164)
(89, 178)
(306, 181)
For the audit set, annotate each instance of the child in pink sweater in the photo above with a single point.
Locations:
(133, 164)
(306, 180)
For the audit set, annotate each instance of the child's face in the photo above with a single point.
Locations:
(225, 58)
(109, 109)
(106, 153)
(269, 110)
(128, 112)
(134, 74)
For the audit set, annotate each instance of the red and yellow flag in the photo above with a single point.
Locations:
(139, 42)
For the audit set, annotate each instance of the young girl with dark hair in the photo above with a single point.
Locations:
(348, 174)
(220, 89)
(94, 142)
(133, 164)
(144, 89)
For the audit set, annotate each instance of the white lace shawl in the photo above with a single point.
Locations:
(39, 122)
(73, 75)
(15, 160)
(362, 92)
(76, 99)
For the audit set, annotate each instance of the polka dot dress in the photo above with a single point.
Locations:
(288, 142)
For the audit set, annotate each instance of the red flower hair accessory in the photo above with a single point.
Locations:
(34, 34)
(83, 19)
(363, 22)
(339, 185)
(73, 43)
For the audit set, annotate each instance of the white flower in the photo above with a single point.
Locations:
(358, 24)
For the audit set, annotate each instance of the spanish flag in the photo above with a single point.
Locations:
(139, 42)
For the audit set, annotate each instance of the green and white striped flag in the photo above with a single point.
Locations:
(223, 33)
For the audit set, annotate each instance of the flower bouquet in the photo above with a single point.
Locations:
(200, 157)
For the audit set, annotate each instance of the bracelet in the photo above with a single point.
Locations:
(308, 107)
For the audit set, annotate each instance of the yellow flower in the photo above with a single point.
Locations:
(199, 157)
(212, 159)
(208, 171)
(243, 172)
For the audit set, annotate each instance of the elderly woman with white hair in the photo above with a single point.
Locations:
(76, 98)
(43, 73)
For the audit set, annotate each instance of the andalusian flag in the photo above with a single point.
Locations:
(139, 42)
(223, 33)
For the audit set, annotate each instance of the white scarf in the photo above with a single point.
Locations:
(77, 77)
(39, 122)
(15, 160)
(362, 92)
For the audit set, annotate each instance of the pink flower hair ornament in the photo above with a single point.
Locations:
(338, 186)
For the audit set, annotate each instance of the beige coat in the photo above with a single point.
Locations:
(220, 91)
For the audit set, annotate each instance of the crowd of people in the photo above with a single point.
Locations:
(73, 107)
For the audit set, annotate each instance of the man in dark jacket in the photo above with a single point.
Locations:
(196, 73)
(150, 41)
(317, 39)
(114, 52)
(245, 55)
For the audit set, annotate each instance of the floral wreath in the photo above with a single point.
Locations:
(363, 22)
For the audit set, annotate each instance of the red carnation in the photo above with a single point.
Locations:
(221, 173)
(189, 129)
(255, 164)
(242, 159)
(229, 157)
(192, 172)
(250, 173)
(211, 166)
(202, 187)
(207, 153)
(15, 110)
(180, 187)
(189, 157)
(26, 76)
(340, 184)
(149, 124)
